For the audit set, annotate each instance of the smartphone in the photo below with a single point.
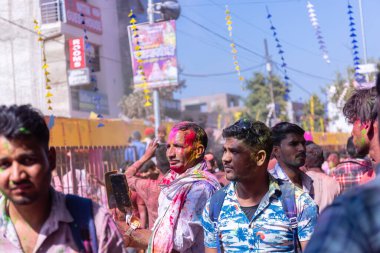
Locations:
(120, 191)
(110, 196)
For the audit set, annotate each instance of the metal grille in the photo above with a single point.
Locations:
(51, 11)
(81, 170)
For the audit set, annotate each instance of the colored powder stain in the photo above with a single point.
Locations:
(23, 130)
(364, 133)
(1, 169)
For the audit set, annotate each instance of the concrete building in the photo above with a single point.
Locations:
(107, 67)
(211, 111)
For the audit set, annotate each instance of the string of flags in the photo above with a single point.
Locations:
(281, 53)
(96, 98)
(233, 46)
(355, 48)
(318, 33)
(45, 67)
(138, 55)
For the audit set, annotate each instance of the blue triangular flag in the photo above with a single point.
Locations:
(51, 121)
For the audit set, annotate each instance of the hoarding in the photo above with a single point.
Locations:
(78, 11)
(78, 76)
(158, 53)
(76, 53)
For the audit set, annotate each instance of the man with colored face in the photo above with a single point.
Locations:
(249, 214)
(184, 192)
(352, 222)
(33, 216)
(360, 110)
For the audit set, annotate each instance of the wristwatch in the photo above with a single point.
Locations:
(133, 223)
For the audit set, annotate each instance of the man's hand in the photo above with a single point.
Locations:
(149, 153)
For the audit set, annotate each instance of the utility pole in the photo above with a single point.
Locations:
(269, 70)
(363, 36)
(156, 95)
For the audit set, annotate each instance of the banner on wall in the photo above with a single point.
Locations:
(76, 53)
(157, 45)
(77, 11)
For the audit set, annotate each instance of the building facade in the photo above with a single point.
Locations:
(90, 77)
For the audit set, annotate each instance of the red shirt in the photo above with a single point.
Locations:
(148, 190)
(352, 172)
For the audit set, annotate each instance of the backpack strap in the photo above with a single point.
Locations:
(216, 203)
(83, 226)
(288, 201)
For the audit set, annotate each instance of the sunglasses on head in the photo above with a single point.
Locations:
(244, 124)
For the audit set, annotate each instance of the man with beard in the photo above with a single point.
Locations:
(184, 192)
(33, 216)
(290, 151)
(250, 214)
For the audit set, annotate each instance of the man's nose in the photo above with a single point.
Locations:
(169, 152)
(226, 158)
(17, 172)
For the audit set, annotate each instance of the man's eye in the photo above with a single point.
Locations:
(28, 161)
(4, 165)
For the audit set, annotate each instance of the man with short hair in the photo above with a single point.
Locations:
(135, 149)
(355, 170)
(352, 222)
(33, 216)
(325, 187)
(333, 159)
(184, 192)
(250, 215)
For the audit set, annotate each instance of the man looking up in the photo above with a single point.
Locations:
(184, 192)
(33, 216)
(249, 214)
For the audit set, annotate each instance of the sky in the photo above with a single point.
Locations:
(201, 51)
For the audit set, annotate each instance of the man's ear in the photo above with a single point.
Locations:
(276, 151)
(199, 151)
(369, 128)
(261, 156)
(52, 158)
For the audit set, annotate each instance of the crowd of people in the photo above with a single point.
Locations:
(275, 191)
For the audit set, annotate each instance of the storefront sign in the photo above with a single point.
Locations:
(91, 15)
(78, 76)
(76, 53)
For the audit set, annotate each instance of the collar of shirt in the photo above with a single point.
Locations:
(58, 213)
(307, 182)
(273, 193)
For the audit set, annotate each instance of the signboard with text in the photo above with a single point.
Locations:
(78, 77)
(158, 53)
(78, 11)
(77, 53)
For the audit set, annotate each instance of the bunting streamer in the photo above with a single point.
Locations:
(96, 98)
(354, 42)
(233, 46)
(281, 53)
(45, 67)
(138, 55)
(318, 33)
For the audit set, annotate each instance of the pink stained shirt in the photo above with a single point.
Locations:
(56, 236)
(148, 190)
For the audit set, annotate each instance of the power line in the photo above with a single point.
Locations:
(251, 51)
(267, 33)
(223, 73)
(54, 39)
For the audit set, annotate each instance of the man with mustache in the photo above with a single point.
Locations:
(33, 216)
(184, 193)
(290, 151)
(250, 214)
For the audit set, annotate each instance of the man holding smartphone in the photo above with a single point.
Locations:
(184, 193)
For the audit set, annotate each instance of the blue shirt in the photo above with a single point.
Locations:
(268, 231)
(351, 223)
(134, 151)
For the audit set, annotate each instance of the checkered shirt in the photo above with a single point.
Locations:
(351, 172)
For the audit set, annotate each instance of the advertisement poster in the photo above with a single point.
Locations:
(76, 53)
(158, 54)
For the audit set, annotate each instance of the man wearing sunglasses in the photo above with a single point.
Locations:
(248, 215)
(352, 222)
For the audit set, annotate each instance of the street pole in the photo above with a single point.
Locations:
(156, 95)
(269, 70)
(363, 36)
